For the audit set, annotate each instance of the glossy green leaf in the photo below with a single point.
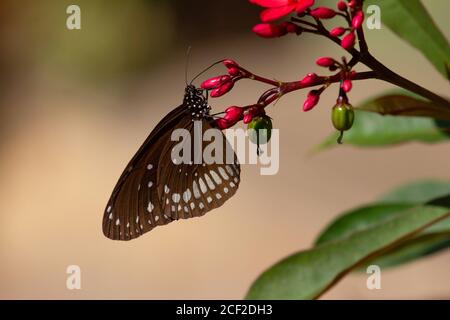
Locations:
(432, 239)
(359, 220)
(410, 250)
(374, 130)
(418, 192)
(411, 21)
(307, 274)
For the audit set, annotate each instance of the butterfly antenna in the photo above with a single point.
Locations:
(186, 66)
(206, 69)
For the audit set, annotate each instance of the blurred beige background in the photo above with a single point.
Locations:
(76, 105)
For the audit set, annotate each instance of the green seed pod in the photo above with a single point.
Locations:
(342, 116)
(262, 130)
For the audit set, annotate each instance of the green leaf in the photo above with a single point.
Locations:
(418, 192)
(307, 274)
(411, 21)
(374, 130)
(403, 105)
(432, 239)
(359, 220)
(410, 250)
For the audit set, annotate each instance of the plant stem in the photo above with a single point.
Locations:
(386, 74)
(383, 72)
(274, 94)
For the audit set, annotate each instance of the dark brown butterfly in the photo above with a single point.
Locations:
(154, 191)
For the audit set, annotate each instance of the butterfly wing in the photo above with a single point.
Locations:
(125, 216)
(191, 190)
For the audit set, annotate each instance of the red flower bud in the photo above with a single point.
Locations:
(347, 85)
(215, 82)
(267, 30)
(234, 72)
(358, 19)
(224, 88)
(253, 112)
(248, 118)
(230, 63)
(348, 41)
(337, 32)
(326, 62)
(323, 13)
(341, 5)
(234, 114)
(310, 79)
(312, 100)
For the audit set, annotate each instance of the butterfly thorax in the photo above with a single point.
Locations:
(196, 103)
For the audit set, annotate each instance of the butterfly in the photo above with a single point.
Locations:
(153, 190)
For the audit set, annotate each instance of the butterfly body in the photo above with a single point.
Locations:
(154, 191)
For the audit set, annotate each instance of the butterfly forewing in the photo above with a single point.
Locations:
(154, 191)
(126, 202)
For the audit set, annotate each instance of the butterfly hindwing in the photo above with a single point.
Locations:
(193, 189)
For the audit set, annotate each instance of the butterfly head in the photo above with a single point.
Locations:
(196, 102)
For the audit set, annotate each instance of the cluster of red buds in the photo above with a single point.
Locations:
(350, 10)
(222, 84)
(345, 36)
(345, 77)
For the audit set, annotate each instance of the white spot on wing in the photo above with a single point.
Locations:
(225, 190)
(201, 205)
(215, 176)
(150, 184)
(196, 190)
(209, 199)
(117, 222)
(202, 185)
(218, 196)
(209, 182)
(223, 173)
(229, 170)
(150, 207)
(187, 195)
(150, 166)
(176, 197)
(109, 209)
